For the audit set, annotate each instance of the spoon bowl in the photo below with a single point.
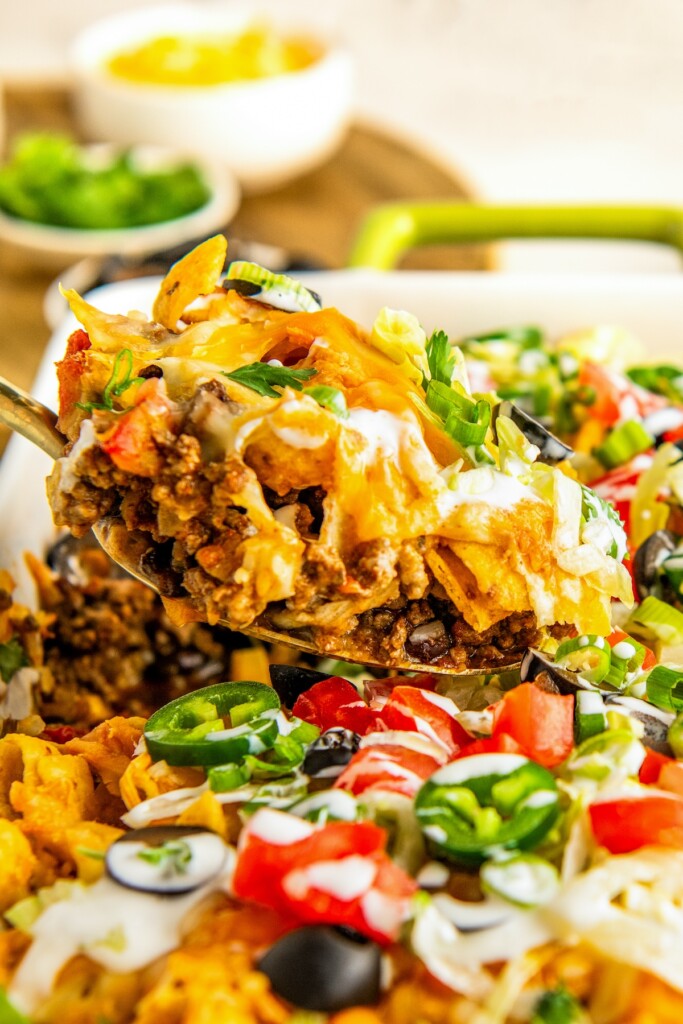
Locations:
(27, 416)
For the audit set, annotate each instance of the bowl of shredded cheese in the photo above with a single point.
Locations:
(271, 102)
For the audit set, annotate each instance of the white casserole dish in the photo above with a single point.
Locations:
(650, 306)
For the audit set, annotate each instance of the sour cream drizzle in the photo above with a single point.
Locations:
(119, 928)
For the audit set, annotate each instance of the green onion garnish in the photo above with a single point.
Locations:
(627, 657)
(120, 380)
(665, 688)
(662, 380)
(464, 419)
(589, 715)
(629, 439)
(659, 619)
(590, 656)
(329, 398)
(525, 337)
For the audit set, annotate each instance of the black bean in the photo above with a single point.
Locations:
(147, 372)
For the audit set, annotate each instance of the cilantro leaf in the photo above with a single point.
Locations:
(264, 378)
(12, 658)
(440, 357)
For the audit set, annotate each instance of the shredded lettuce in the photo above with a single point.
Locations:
(400, 337)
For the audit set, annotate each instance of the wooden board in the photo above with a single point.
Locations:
(315, 217)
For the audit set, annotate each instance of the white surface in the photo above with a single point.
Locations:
(533, 99)
(45, 241)
(267, 130)
(651, 306)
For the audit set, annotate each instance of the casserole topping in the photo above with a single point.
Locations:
(290, 469)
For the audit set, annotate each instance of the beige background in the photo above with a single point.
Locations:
(530, 99)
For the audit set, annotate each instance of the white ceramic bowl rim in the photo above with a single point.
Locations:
(101, 40)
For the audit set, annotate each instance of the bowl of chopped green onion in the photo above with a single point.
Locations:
(60, 199)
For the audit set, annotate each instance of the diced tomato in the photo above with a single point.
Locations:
(131, 442)
(378, 691)
(389, 767)
(499, 744)
(652, 766)
(672, 436)
(338, 873)
(61, 733)
(335, 702)
(626, 823)
(69, 371)
(619, 485)
(617, 635)
(414, 710)
(542, 723)
(617, 397)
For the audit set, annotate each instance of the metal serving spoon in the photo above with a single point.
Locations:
(27, 416)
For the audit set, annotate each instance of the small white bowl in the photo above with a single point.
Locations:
(266, 130)
(51, 244)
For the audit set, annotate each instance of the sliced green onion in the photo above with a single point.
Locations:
(443, 400)
(472, 431)
(523, 879)
(590, 656)
(673, 569)
(329, 398)
(665, 688)
(277, 290)
(629, 439)
(465, 420)
(658, 619)
(589, 717)
(627, 657)
(662, 380)
(480, 455)
(525, 337)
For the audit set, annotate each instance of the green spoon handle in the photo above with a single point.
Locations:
(390, 230)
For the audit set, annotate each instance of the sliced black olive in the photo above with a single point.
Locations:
(166, 859)
(552, 450)
(328, 754)
(289, 682)
(324, 969)
(648, 558)
(247, 288)
(252, 290)
(655, 721)
(534, 663)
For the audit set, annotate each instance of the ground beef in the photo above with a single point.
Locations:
(188, 512)
(112, 649)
